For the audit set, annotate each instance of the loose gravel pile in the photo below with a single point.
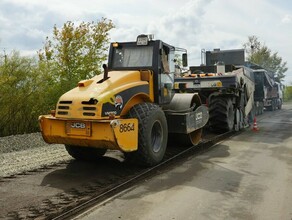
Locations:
(21, 142)
(20, 153)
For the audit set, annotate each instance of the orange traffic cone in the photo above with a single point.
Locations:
(255, 126)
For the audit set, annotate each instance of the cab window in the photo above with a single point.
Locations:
(133, 57)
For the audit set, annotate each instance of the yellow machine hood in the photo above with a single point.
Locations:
(96, 98)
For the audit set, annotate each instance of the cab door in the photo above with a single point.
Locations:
(166, 76)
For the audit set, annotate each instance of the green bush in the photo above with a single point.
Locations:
(288, 93)
(18, 89)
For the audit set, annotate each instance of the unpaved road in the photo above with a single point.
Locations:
(248, 176)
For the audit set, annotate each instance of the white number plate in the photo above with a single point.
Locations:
(82, 128)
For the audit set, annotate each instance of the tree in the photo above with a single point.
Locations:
(18, 94)
(263, 56)
(76, 52)
(31, 87)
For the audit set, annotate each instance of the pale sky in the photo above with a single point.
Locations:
(190, 24)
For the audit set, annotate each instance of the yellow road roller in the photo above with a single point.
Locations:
(131, 107)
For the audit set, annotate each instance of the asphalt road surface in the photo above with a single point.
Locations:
(248, 176)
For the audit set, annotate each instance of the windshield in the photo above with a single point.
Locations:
(133, 56)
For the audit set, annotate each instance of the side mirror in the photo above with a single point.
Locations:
(185, 59)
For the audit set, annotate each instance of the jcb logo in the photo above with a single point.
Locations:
(78, 125)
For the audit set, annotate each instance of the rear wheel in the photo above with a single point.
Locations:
(251, 116)
(221, 114)
(239, 120)
(152, 134)
(85, 153)
(273, 105)
(280, 104)
(261, 108)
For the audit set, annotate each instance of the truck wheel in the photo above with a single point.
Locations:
(274, 104)
(261, 108)
(152, 134)
(239, 120)
(85, 153)
(251, 116)
(280, 105)
(258, 110)
(221, 114)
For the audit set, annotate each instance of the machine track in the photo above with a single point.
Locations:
(69, 188)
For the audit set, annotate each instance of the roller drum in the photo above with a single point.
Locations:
(185, 102)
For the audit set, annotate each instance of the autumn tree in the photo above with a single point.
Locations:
(19, 94)
(75, 52)
(31, 87)
(260, 54)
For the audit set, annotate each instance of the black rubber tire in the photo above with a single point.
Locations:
(280, 105)
(221, 114)
(261, 108)
(152, 134)
(85, 153)
(251, 116)
(273, 105)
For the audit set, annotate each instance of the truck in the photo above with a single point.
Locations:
(132, 107)
(225, 85)
(268, 93)
(274, 98)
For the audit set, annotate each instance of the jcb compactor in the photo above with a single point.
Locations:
(132, 107)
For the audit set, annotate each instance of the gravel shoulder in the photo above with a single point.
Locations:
(20, 153)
